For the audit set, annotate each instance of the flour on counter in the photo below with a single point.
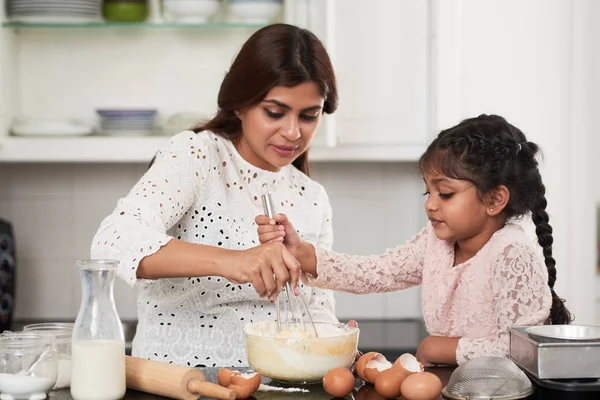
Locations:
(267, 388)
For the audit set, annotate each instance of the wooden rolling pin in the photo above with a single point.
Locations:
(171, 380)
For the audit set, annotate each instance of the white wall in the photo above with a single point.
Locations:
(56, 210)
(529, 61)
(533, 62)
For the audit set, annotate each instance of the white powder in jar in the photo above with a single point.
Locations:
(19, 386)
(63, 379)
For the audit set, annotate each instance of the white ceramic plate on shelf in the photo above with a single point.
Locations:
(50, 127)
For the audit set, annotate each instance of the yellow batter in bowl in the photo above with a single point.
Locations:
(297, 356)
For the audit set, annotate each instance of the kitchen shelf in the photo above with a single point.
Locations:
(86, 25)
(103, 149)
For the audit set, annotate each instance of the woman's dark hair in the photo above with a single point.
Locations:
(276, 55)
(489, 152)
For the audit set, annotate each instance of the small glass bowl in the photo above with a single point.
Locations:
(62, 333)
(19, 352)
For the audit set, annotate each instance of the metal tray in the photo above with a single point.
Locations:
(554, 360)
(564, 333)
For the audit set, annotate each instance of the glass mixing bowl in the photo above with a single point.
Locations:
(62, 333)
(291, 357)
(28, 365)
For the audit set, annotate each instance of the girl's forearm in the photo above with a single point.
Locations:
(306, 255)
(438, 350)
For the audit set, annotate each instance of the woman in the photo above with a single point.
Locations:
(185, 234)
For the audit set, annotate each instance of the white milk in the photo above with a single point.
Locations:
(98, 370)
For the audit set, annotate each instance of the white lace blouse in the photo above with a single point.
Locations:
(201, 190)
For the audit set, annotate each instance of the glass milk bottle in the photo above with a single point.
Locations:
(98, 346)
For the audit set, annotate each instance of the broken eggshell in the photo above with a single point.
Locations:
(224, 376)
(244, 385)
(374, 367)
(408, 363)
(359, 367)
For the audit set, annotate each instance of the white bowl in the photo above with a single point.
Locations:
(254, 12)
(190, 11)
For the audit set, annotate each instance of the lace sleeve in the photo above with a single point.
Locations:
(322, 301)
(138, 225)
(396, 269)
(522, 297)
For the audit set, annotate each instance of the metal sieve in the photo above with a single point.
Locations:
(488, 378)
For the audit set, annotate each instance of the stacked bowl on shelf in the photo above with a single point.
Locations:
(240, 11)
(190, 11)
(54, 11)
(127, 122)
(254, 11)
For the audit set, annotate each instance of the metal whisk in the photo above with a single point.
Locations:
(293, 316)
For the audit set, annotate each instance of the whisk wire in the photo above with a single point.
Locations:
(295, 315)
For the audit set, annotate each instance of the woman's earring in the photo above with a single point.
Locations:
(236, 113)
(491, 210)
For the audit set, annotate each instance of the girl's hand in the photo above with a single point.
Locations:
(278, 229)
(267, 267)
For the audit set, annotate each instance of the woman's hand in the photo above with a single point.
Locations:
(267, 267)
(280, 230)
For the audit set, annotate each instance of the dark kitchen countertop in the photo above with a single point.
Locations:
(389, 337)
(316, 392)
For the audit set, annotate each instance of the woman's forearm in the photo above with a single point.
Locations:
(179, 259)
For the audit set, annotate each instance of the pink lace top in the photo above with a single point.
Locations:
(504, 284)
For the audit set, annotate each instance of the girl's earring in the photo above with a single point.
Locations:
(236, 113)
(491, 210)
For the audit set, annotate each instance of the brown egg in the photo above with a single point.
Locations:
(244, 385)
(362, 361)
(339, 382)
(408, 363)
(388, 382)
(377, 364)
(421, 386)
(224, 376)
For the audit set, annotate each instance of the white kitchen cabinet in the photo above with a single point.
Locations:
(382, 62)
(66, 71)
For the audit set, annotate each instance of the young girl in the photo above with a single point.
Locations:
(479, 271)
